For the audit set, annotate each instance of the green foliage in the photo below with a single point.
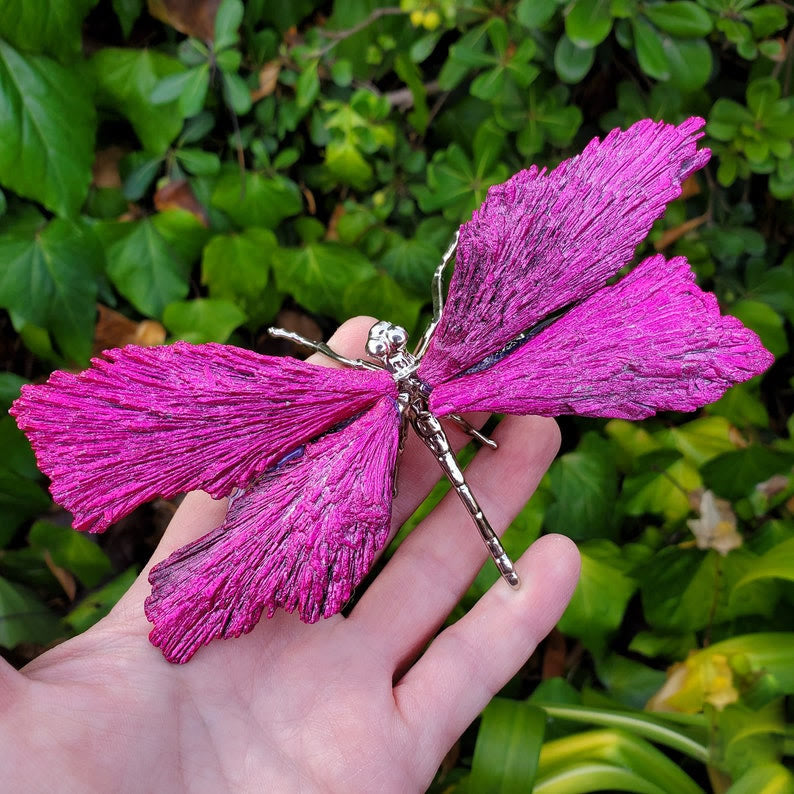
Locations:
(246, 169)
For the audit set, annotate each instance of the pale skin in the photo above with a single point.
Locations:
(346, 705)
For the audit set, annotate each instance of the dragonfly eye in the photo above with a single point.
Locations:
(376, 348)
(397, 336)
(385, 339)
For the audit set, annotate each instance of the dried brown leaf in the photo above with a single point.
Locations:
(554, 655)
(268, 80)
(690, 187)
(671, 235)
(179, 195)
(105, 169)
(301, 324)
(115, 330)
(65, 579)
(192, 17)
(774, 485)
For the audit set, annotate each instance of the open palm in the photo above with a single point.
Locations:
(351, 704)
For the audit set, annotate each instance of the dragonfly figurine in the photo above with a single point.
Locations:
(307, 455)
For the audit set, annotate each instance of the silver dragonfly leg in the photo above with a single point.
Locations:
(430, 431)
(472, 431)
(437, 290)
(321, 347)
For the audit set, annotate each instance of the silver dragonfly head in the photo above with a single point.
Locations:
(386, 340)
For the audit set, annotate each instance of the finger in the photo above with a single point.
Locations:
(469, 662)
(437, 562)
(198, 514)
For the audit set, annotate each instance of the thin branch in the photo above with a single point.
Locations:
(336, 36)
(403, 98)
(787, 47)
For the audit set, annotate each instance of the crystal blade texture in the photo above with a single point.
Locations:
(544, 240)
(300, 539)
(157, 421)
(652, 342)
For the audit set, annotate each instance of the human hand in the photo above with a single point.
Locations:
(348, 704)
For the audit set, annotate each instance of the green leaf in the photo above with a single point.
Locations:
(199, 162)
(667, 646)
(10, 385)
(765, 321)
(168, 89)
(17, 454)
(127, 12)
(138, 172)
(307, 87)
(342, 72)
(678, 588)
(24, 618)
(125, 80)
(48, 146)
(236, 93)
(766, 19)
(660, 486)
(680, 18)
(188, 88)
(572, 63)
(534, 14)
(735, 474)
(410, 74)
(690, 62)
(20, 499)
(149, 260)
(778, 563)
(96, 605)
(71, 550)
(584, 483)
(227, 22)
(632, 684)
(725, 118)
(347, 164)
(256, 200)
(742, 406)
(508, 746)
(763, 778)
(236, 268)
(229, 61)
(50, 280)
(762, 95)
(194, 90)
(197, 128)
(601, 596)
(588, 22)
(318, 275)
(380, 296)
(411, 262)
(41, 26)
(685, 590)
(452, 182)
(203, 320)
(650, 52)
(701, 439)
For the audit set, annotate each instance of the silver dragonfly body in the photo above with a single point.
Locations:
(387, 343)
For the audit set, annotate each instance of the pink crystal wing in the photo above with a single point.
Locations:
(301, 538)
(147, 422)
(544, 240)
(652, 342)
